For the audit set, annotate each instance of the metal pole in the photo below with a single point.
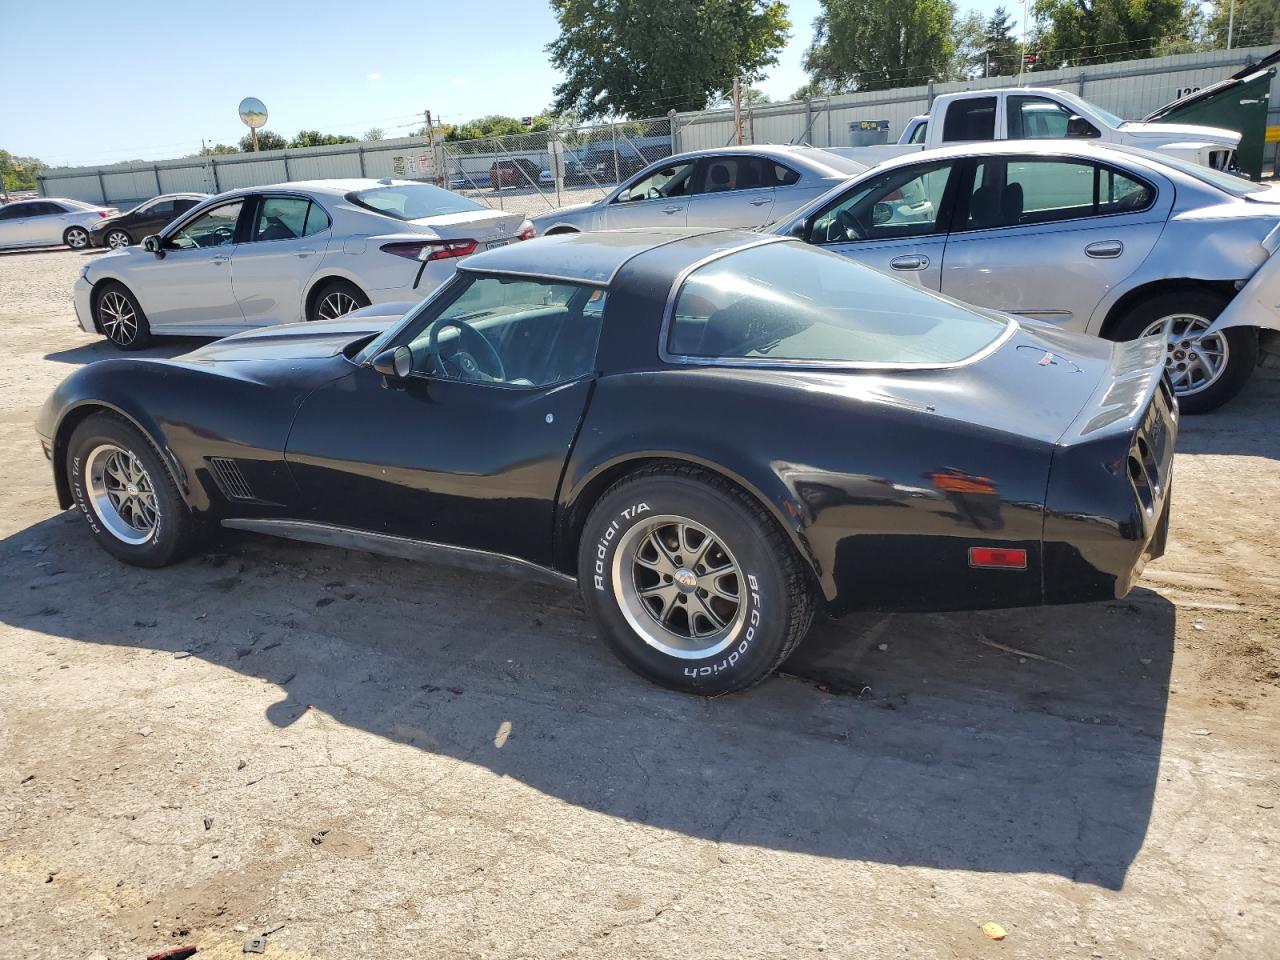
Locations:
(737, 112)
(255, 139)
(1231, 23)
(613, 130)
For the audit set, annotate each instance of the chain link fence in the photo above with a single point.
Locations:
(532, 173)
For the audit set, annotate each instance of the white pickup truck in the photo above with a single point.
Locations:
(1035, 113)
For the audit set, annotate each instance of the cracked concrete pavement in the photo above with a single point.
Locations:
(404, 760)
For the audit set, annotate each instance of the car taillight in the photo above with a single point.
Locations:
(425, 250)
(103, 214)
(527, 231)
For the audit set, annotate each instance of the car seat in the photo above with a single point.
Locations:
(719, 177)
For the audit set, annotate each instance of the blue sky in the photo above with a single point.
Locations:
(339, 67)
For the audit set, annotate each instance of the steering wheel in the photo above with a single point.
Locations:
(470, 343)
(850, 226)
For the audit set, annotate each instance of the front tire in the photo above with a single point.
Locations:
(126, 493)
(1206, 372)
(116, 239)
(691, 583)
(77, 238)
(120, 318)
(335, 299)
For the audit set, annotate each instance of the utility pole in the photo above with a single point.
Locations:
(751, 116)
(737, 111)
(1231, 23)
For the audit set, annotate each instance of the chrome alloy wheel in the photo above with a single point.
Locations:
(1194, 362)
(121, 493)
(679, 587)
(117, 239)
(336, 304)
(77, 238)
(118, 318)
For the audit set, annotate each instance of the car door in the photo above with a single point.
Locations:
(190, 286)
(658, 197)
(284, 244)
(895, 221)
(733, 190)
(13, 224)
(1047, 237)
(150, 219)
(468, 449)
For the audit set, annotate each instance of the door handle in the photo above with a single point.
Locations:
(305, 253)
(1104, 249)
(672, 209)
(218, 261)
(912, 261)
(759, 203)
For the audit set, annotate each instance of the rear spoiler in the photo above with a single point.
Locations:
(1121, 398)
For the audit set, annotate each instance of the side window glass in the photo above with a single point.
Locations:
(1039, 118)
(10, 212)
(783, 176)
(973, 118)
(919, 133)
(740, 173)
(183, 205)
(522, 333)
(902, 203)
(280, 218)
(162, 208)
(317, 220)
(1012, 192)
(216, 228)
(673, 181)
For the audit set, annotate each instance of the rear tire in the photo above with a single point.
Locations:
(127, 495)
(1206, 374)
(77, 238)
(119, 316)
(691, 583)
(336, 298)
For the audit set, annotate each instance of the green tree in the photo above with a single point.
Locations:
(969, 40)
(641, 58)
(495, 125)
(1074, 32)
(1257, 22)
(267, 140)
(218, 150)
(20, 173)
(373, 133)
(1000, 49)
(880, 44)
(314, 138)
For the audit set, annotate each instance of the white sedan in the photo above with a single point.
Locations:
(278, 254)
(49, 223)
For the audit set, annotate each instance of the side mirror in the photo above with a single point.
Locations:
(881, 214)
(799, 230)
(152, 244)
(624, 196)
(395, 364)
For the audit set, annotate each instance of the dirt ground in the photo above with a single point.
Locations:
(373, 758)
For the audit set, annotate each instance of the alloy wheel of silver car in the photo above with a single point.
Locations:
(118, 318)
(77, 238)
(121, 493)
(336, 304)
(117, 239)
(1194, 362)
(679, 587)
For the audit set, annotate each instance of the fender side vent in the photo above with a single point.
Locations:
(227, 475)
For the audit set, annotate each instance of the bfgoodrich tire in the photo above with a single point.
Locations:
(127, 495)
(1208, 372)
(691, 583)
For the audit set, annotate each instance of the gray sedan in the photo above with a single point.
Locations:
(729, 187)
(1113, 241)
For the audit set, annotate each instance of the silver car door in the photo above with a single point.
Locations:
(191, 285)
(894, 221)
(1047, 237)
(734, 190)
(658, 197)
(47, 226)
(284, 244)
(13, 224)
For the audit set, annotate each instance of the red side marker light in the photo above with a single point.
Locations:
(994, 558)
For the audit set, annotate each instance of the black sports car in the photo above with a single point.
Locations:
(126, 229)
(713, 432)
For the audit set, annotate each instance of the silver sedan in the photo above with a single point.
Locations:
(52, 222)
(730, 187)
(1113, 241)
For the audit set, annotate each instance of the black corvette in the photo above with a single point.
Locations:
(714, 433)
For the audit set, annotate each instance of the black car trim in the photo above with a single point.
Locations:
(350, 538)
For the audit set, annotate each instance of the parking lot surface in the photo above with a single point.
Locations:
(373, 758)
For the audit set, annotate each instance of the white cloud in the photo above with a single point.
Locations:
(374, 76)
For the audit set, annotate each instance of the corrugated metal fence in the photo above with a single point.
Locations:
(1129, 89)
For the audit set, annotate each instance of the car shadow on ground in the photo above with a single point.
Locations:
(103, 350)
(997, 741)
(1242, 426)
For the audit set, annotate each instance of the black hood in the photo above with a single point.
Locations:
(294, 341)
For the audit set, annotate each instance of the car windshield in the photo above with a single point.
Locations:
(1106, 116)
(412, 201)
(792, 302)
